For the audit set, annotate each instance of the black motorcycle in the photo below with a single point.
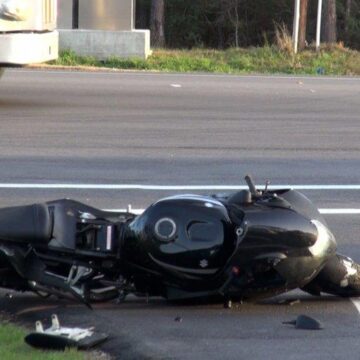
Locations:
(247, 245)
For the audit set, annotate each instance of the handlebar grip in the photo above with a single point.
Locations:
(250, 184)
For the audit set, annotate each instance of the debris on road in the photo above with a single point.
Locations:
(289, 302)
(8, 295)
(305, 322)
(60, 338)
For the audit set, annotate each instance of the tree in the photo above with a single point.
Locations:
(347, 17)
(142, 14)
(304, 5)
(232, 14)
(330, 33)
(157, 23)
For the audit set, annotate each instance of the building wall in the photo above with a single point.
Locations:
(114, 15)
(65, 14)
(106, 28)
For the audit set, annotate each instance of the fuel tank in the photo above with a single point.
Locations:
(186, 235)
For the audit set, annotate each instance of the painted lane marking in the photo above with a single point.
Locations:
(340, 211)
(322, 211)
(176, 85)
(154, 73)
(356, 303)
(75, 186)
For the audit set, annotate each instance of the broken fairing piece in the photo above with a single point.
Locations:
(305, 322)
(59, 338)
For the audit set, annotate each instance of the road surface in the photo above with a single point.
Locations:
(63, 128)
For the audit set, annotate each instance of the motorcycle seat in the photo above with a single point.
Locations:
(30, 223)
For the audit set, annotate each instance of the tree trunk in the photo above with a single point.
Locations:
(330, 22)
(221, 21)
(157, 21)
(347, 18)
(236, 23)
(304, 5)
(141, 15)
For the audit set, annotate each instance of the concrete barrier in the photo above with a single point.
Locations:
(104, 44)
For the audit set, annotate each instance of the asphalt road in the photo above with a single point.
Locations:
(139, 128)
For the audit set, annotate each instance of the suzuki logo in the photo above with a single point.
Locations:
(204, 263)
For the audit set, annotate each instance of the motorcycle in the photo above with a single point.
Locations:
(246, 245)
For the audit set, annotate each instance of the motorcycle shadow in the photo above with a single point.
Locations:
(21, 304)
(294, 299)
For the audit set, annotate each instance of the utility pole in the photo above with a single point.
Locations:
(318, 25)
(296, 26)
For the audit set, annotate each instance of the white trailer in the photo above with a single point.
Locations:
(27, 32)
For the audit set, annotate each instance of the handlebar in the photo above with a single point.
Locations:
(251, 185)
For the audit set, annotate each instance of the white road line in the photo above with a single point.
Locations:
(340, 211)
(356, 302)
(75, 186)
(322, 211)
(164, 74)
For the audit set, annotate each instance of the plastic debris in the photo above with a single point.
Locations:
(57, 337)
(228, 304)
(289, 302)
(320, 71)
(306, 323)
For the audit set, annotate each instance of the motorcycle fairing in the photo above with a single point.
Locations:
(277, 233)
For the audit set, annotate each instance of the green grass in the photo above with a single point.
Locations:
(13, 347)
(334, 60)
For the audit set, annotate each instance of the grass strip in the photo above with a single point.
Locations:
(331, 60)
(13, 347)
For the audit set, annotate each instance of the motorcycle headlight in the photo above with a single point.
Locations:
(325, 239)
(14, 10)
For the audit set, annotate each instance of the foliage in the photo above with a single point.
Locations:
(332, 60)
(283, 38)
(351, 37)
(13, 347)
(225, 23)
